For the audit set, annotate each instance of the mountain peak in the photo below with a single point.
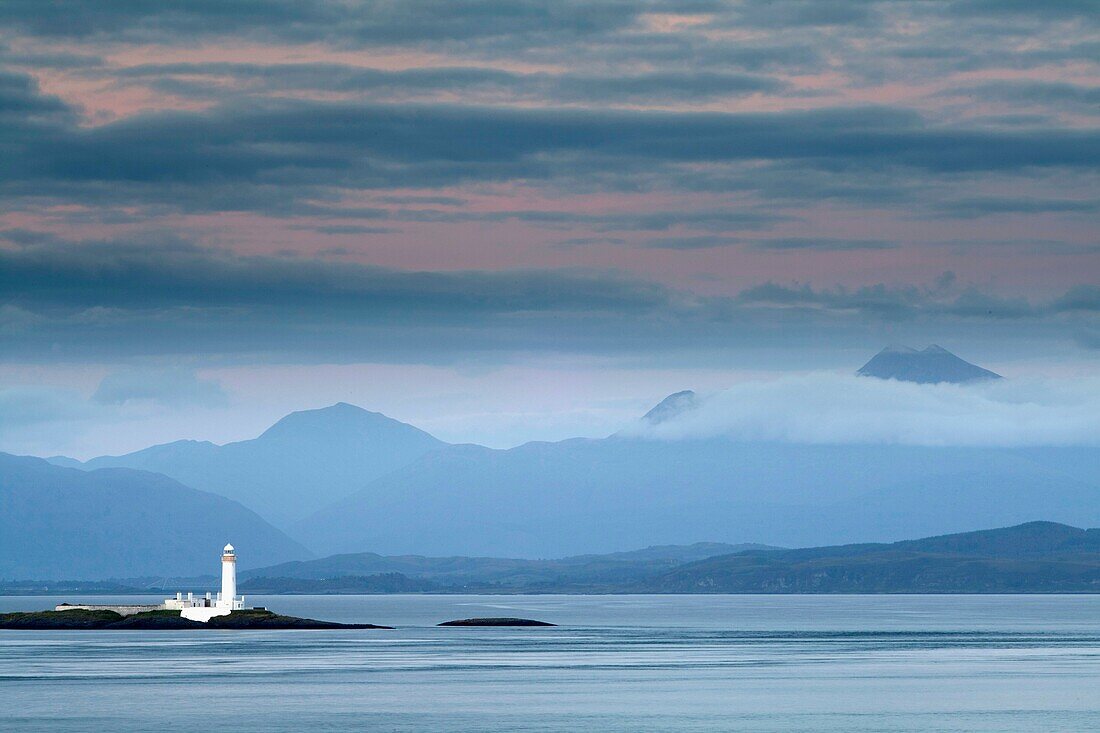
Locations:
(899, 349)
(672, 406)
(932, 365)
(334, 416)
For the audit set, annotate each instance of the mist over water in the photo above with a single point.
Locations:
(615, 663)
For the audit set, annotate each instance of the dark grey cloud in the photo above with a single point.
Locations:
(588, 242)
(422, 200)
(475, 83)
(343, 229)
(899, 303)
(965, 49)
(41, 59)
(1083, 298)
(348, 23)
(410, 22)
(1048, 10)
(798, 13)
(119, 300)
(1030, 91)
(975, 207)
(288, 156)
(22, 104)
(167, 273)
(689, 243)
(705, 219)
(822, 244)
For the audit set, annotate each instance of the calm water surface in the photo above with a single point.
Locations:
(615, 663)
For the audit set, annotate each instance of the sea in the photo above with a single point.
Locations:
(613, 663)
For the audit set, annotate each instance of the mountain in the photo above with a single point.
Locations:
(1032, 557)
(58, 522)
(672, 406)
(512, 572)
(933, 365)
(303, 462)
(65, 461)
(597, 496)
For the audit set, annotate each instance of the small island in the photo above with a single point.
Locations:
(80, 618)
(495, 622)
(225, 611)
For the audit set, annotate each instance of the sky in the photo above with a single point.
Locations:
(507, 221)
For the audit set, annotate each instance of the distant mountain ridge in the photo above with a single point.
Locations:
(507, 571)
(1034, 557)
(933, 365)
(303, 462)
(58, 522)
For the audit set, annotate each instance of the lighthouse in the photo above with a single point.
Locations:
(229, 576)
(204, 609)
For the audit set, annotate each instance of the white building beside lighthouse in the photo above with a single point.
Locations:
(206, 608)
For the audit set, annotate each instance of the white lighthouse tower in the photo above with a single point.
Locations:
(229, 576)
(204, 609)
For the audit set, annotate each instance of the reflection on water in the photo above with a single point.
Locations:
(616, 663)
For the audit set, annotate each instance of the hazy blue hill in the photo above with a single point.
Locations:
(673, 553)
(305, 461)
(1032, 557)
(65, 461)
(617, 567)
(58, 522)
(1028, 540)
(933, 365)
(598, 496)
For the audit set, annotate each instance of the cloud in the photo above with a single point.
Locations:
(1054, 9)
(913, 301)
(821, 244)
(777, 244)
(830, 408)
(976, 207)
(1082, 298)
(21, 102)
(706, 219)
(474, 83)
(42, 420)
(32, 416)
(339, 229)
(147, 274)
(281, 157)
(22, 407)
(1036, 92)
(170, 387)
(83, 300)
(788, 13)
(689, 243)
(456, 25)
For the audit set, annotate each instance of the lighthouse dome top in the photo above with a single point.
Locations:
(228, 549)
